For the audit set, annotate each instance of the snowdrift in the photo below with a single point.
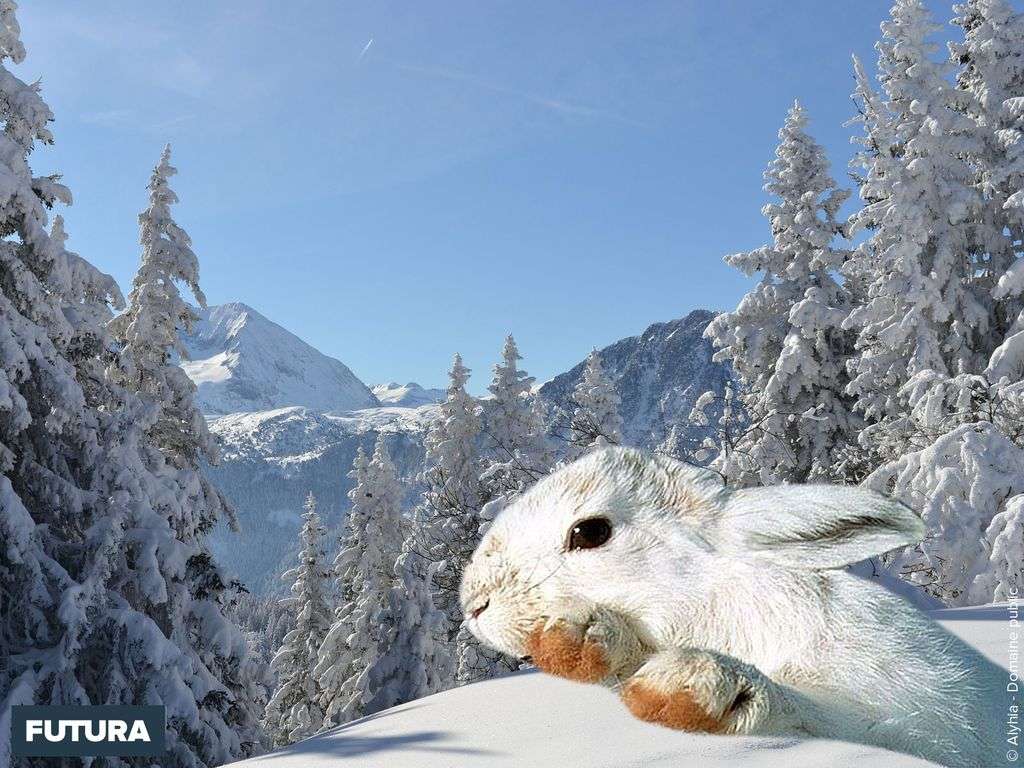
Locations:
(530, 719)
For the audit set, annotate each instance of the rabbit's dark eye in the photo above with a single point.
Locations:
(588, 534)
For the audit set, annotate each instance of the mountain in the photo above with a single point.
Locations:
(658, 375)
(531, 720)
(243, 362)
(273, 456)
(410, 395)
(270, 460)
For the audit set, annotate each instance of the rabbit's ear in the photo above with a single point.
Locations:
(816, 526)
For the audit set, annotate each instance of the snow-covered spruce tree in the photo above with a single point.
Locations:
(149, 334)
(167, 570)
(966, 476)
(264, 622)
(784, 341)
(1000, 575)
(517, 452)
(447, 522)
(725, 427)
(351, 646)
(91, 569)
(991, 75)
(951, 437)
(334, 664)
(294, 711)
(922, 309)
(595, 419)
(45, 419)
(413, 657)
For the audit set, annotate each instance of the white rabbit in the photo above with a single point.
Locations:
(728, 611)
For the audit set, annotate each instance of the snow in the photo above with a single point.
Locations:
(214, 369)
(530, 719)
(243, 362)
(410, 395)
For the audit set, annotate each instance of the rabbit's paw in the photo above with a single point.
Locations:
(696, 690)
(600, 645)
(569, 649)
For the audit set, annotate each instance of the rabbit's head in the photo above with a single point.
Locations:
(625, 530)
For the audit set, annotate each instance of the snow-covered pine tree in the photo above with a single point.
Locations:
(517, 449)
(922, 309)
(784, 341)
(45, 420)
(595, 419)
(965, 474)
(92, 571)
(334, 664)
(294, 711)
(167, 571)
(351, 646)
(447, 523)
(1000, 575)
(264, 622)
(149, 333)
(991, 76)
(952, 435)
(516, 453)
(413, 657)
(725, 429)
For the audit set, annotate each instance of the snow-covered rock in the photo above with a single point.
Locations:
(410, 395)
(242, 362)
(658, 376)
(529, 719)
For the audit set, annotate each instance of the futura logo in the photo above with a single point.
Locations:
(87, 731)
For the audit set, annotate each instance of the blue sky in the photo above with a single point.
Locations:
(569, 172)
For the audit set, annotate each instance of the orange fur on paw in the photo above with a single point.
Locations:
(559, 652)
(676, 710)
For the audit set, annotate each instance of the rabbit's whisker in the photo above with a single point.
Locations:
(534, 586)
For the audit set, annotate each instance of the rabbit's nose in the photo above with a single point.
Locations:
(475, 613)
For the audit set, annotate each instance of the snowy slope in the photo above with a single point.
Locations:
(658, 375)
(529, 719)
(410, 395)
(241, 361)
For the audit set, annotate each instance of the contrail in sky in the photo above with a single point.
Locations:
(555, 105)
(365, 49)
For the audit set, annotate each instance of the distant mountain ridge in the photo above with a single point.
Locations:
(273, 455)
(658, 375)
(270, 460)
(242, 362)
(410, 395)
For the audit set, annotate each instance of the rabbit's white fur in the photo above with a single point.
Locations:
(716, 592)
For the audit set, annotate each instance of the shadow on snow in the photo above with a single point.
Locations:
(336, 743)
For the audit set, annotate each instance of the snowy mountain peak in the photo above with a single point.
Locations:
(243, 362)
(410, 395)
